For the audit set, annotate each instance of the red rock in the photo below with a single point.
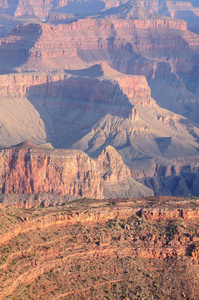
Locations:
(31, 169)
(37, 170)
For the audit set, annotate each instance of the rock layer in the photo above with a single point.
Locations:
(40, 42)
(113, 90)
(58, 172)
(31, 169)
(47, 251)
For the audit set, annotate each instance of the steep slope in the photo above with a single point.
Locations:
(154, 132)
(117, 181)
(48, 103)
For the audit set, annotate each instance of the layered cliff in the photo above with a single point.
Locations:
(185, 10)
(64, 172)
(108, 86)
(45, 252)
(117, 110)
(43, 9)
(30, 169)
(39, 42)
(85, 104)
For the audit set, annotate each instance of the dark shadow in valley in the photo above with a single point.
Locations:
(93, 71)
(163, 143)
(69, 108)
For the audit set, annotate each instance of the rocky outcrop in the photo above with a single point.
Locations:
(117, 181)
(18, 85)
(176, 9)
(31, 169)
(26, 170)
(38, 8)
(102, 215)
(112, 165)
(137, 90)
(162, 214)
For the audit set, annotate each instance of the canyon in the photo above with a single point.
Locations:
(118, 110)
(124, 77)
(99, 149)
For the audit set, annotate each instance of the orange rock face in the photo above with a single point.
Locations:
(30, 169)
(61, 172)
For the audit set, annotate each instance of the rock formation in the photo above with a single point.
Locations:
(110, 86)
(41, 42)
(174, 177)
(111, 163)
(186, 10)
(31, 169)
(118, 111)
(117, 181)
(178, 9)
(131, 46)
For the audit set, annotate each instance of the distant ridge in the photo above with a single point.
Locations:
(130, 10)
(26, 145)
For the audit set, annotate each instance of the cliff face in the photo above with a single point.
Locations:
(58, 172)
(79, 39)
(176, 9)
(174, 167)
(122, 89)
(43, 9)
(31, 169)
